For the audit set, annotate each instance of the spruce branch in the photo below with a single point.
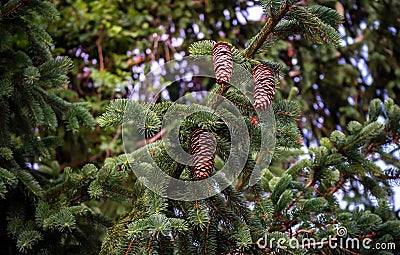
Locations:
(9, 8)
(130, 246)
(208, 232)
(152, 139)
(339, 185)
(266, 32)
(215, 208)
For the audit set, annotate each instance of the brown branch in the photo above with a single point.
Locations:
(149, 244)
(119, 193)
(256, 195)
(223, 215)
(207, 231)
(311, 232)
(386, 177)
(152, 139)
(319, 192)
(17, 6)
(99, 47)
(80, 163)
(340, 184)
(239, 208)
(373, 145)
(181, 206)
(300, 193)
(115, 138)
(373, 234)
(130, 246)
(265, 32)
(310, 183)
(160, 247)
(74, 199)
(166, 51)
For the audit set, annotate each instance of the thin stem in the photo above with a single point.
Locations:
(100, 48)
(15, 8)
(152, 139)
(265, 33)
(340, 184)
(130, 246)
(207, 232)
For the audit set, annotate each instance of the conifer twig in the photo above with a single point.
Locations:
(265, 32)
(100, 48)
(130, 246)
(340, 184)
(152, 139)
(207, 231)
(15, 8)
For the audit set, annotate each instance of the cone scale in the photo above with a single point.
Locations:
(223, 63)
(202, 148)
(264, 87)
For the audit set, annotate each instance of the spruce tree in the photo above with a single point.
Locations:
(37, 210)
(296, 196)
(46, 210)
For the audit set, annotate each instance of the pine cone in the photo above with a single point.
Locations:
(202, 147)
(264, 86)
(223, 63)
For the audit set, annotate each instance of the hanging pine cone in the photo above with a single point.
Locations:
(202, 147)
(223, 63)
(264, 86)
